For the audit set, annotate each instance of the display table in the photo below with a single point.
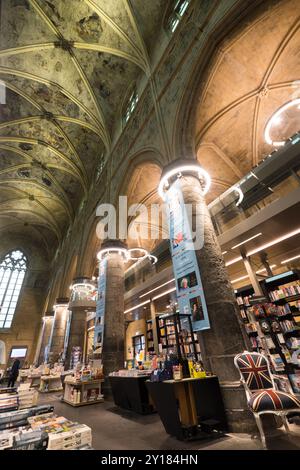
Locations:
(189, 408)
(50, 383)
(131, 393)
(82, 393)
(23, 375)
(34, 380)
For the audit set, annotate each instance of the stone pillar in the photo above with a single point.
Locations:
(59, 329)
(113, 353)
(45, 337)
(81, 302)
(225, 338)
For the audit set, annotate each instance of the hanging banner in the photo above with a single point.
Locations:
(67, 333)
(100, 308)
(190, 294)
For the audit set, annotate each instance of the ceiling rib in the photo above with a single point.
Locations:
(36, 214)
(76, 45)
(57, 117)
(30, 76)
(109, 50)
(223, 156)
(17, 224)
(138, 34)
(57, 126)
(78, 67)
(36, 201)
(234, 104)
(115, 27)
(48, 174)
(60, 130)
(76, 171)
(53, 196)
(264, 83)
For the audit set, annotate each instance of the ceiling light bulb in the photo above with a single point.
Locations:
(290, 259)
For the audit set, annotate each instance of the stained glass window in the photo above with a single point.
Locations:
(12, 271)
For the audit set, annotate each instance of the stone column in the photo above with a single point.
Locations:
(45, 337)
(113, 353)
(80, 303)
(77, 333)
(58, 329)
(225, 338)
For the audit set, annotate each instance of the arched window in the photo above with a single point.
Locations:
(175, 13)
(130, 105)
(12, 271)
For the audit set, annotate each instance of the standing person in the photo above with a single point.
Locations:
(14, 373)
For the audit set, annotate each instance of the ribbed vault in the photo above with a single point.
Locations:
(66, 67)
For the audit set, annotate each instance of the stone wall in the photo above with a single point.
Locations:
(27, 319)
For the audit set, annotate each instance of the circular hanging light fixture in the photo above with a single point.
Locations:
(276, 119)
(129, 255)
(238, 190)
(83, 287)
(179, 171)
(143, 254)
(105, 251)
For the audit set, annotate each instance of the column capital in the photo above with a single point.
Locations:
(112, 246)
(109, 243)
(180, 167)
(49, 314)
(61, 301)
(83, 280)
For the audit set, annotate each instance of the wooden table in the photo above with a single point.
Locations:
(34, 380)
(82, 386)
(50, 383)
(190, 407)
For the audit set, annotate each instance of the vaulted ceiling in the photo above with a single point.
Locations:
(66, 67)
(254, 72)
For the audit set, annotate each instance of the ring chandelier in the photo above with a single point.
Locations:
(238, 190)
(179, 171)
(275, 119)
(82, 286)
(129, 254)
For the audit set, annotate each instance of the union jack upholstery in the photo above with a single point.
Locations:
(262, 394)
(255, 371)
(269, 400)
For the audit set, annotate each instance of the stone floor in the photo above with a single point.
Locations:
(117, 430)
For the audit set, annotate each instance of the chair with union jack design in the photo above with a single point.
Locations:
(262, 394)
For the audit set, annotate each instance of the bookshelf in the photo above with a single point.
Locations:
(273, 323)
(176, 336)
(150, 339)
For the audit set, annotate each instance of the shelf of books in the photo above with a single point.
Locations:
(176, 336)
(272, 323)
(150, 340)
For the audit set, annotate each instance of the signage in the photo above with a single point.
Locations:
(190, 294)
(100, 308)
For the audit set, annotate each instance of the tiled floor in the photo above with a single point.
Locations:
(114, 430)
